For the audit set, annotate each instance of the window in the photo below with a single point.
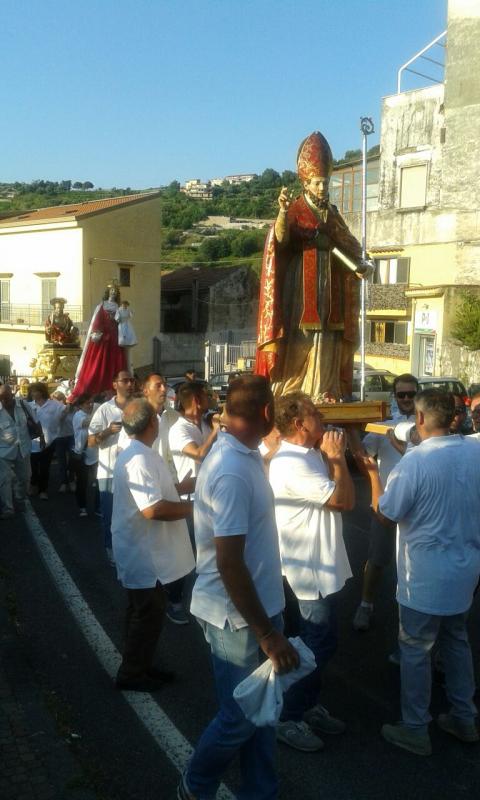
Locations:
(387, 331)
(346, 188)
(413, 186)
(5, 300)
(49, 291)
(392, 270)
(124, 276)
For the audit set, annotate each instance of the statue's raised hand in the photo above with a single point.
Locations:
(284, 199)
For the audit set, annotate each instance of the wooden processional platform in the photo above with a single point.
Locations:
(369, 414)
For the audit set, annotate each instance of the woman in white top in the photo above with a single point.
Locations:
(84, 458)
(49, 414)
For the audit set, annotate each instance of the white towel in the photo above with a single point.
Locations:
(260, 696)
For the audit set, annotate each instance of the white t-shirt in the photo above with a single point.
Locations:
(181, 434)
(434, 495)
(314, 558)
(474, 437)
(50, 416)
(80, 432)
(377, 444)
(107, 449)
(233, 498)
(146, 551)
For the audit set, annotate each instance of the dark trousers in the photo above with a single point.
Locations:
(86, 482)
(143, 624)
(40, 463)
(63, 446)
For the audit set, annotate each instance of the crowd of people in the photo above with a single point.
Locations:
(252, 499)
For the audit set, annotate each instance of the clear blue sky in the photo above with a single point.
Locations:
(141, 92)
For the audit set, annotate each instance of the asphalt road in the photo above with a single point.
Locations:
(123, 760)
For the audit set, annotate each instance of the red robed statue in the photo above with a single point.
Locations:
(309, 299)
(102, 355)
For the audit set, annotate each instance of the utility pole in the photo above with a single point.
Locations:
(366, 127)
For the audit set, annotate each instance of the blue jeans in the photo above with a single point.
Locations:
(235, 655)
(418, 633)
(318, 629)
(105, 486)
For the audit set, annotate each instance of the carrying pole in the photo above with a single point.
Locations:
(366, 127)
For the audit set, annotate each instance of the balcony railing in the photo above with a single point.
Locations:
(33, 315)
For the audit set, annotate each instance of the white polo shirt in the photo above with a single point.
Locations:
(182, 433)
(50, 416)
(14, 435)
(233, 498)
(146, 551)
(80, 433)
(434, 495)
(379, 445)
(314, 558)
(107, 449)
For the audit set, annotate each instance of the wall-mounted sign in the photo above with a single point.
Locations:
(426, 321)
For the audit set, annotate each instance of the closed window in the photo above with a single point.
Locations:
(392, 270)
(413, 186)
(49, 291)
(5, 300)
(124, 276)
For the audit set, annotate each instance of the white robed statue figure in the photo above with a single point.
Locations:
(126, 334)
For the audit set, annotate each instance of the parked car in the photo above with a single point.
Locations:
(378, 384)
(447, 383)
(219, 382)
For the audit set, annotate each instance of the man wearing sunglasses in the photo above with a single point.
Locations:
(475, 412)
(104, 430)
(382, 537)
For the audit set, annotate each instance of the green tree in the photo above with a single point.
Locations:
(466, 327)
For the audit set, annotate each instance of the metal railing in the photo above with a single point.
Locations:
(12, 314)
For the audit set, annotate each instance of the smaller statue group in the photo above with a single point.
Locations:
(59, 328)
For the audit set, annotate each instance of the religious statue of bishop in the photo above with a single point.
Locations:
(308, 324)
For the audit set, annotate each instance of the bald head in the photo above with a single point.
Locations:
(140, 421)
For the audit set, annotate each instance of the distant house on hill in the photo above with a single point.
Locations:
(73, 251)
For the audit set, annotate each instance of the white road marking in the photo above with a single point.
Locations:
(158, 724)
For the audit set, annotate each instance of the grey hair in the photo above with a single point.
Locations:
(137, 415)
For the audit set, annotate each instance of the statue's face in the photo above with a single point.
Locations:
(317, 188)
(112, 292)
(58, 307)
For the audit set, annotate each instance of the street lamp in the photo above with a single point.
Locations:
(366, 127)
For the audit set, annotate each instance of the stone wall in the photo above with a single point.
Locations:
(180, 351)
(454, 359)
(233, 302)
(387, 349)
(386, 297)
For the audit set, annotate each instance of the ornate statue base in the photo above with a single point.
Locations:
(54, 362)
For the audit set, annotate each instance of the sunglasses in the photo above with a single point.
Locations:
(403, 395)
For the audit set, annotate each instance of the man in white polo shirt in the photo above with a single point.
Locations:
(432, 496)
(310, 493)
(150, 544)
(191, 437)
(238, 595)
(103, 432)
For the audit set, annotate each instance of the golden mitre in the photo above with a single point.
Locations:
(314, 158)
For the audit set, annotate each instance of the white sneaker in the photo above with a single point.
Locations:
(63, 488)
(72, 486)
(361, 620)
(83, 512)
(43, 496)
